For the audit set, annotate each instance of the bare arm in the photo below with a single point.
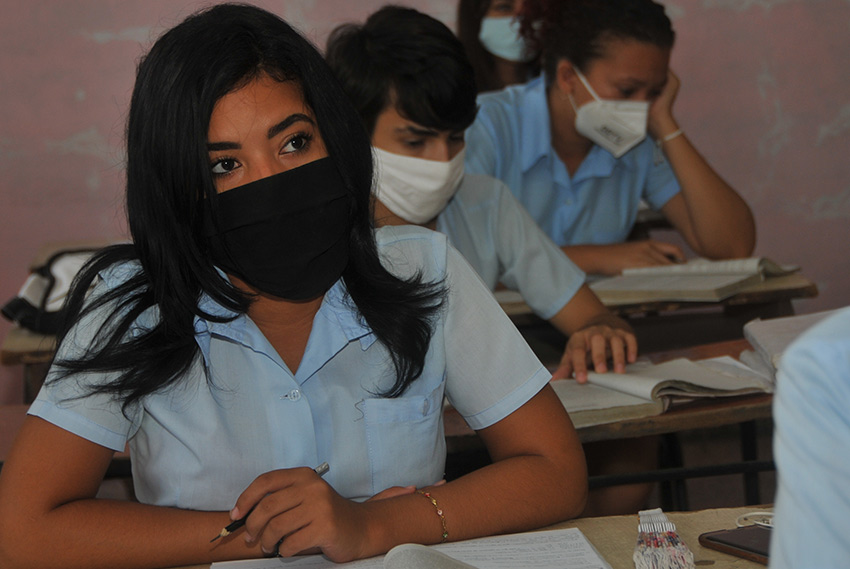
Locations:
(48, 505)
(714, 220)
(612, 259)
(595, 335)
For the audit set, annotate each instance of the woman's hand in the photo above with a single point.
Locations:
(661, 121)
(612, 259)
(597, 344)
(294, 511)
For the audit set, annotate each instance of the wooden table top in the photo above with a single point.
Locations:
(614, 537)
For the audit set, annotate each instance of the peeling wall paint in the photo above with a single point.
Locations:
(765, 96)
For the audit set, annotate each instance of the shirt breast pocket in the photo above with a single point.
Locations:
(405, 438)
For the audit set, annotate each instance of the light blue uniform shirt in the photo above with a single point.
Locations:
(811, 445)
(503, 244)
(198, 444)
(511, 140)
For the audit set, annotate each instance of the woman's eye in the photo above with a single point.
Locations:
(296, 143)
(224, 166)
(415, 143)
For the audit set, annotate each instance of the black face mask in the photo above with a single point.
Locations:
(285, 235)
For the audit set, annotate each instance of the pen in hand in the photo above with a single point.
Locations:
(233, 526)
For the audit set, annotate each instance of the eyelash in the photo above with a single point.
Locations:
(305, 136)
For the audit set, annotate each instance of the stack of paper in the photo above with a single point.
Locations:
(553, 549)
(770, 338)
(697, 280)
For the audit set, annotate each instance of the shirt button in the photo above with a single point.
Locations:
(294, 395)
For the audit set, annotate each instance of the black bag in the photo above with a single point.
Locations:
(39, 304)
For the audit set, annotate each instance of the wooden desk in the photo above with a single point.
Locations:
(665, 325)
(707, 413)
(32, 351)
(615, 536)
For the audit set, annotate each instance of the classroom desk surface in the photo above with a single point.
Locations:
(709, 412)
(614, 536)
(663, 325)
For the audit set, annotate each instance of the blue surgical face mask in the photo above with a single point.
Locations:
(500, 36)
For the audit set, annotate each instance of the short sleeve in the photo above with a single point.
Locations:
(533, 265)
(68, 402)
(491, 371)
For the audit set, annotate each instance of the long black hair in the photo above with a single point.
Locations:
(407, 59)
(578, 30)
(169, 183)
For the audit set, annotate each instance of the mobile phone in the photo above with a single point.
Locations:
(749, 542)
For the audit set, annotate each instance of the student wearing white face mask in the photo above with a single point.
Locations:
(581, 147)
(499, 54)
(409, 78)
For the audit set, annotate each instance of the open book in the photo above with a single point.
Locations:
(697, 280)
(552, 549)
(771, 337)
(648, 389)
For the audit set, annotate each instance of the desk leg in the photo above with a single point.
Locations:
(749, 452)
(674, 491)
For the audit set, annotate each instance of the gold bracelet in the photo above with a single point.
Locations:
(445, 535)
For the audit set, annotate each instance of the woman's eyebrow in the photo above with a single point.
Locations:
(287, 122)
(272, 132)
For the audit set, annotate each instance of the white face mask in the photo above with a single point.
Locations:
(500, 36)
(616, 126)
(416, 189)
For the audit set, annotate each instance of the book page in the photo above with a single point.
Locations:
(415, 556)
(676, 377)
(685, 286)
(553, 549)
(589, 404)
(749, 266)
(771, 337)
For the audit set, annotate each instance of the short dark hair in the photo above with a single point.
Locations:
(408, 59)
(578, 30)
(169, 182)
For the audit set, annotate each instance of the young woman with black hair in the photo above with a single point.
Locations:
(572, 146)
(499, 54)
(259, 326)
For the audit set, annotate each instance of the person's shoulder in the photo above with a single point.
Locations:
(833, 332)
(119, 273)
(409, 249)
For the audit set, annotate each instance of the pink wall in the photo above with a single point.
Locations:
(765, 96)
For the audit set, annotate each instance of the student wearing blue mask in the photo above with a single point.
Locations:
(582, 146)
(259, 326)
(499, 54)
(408, 76)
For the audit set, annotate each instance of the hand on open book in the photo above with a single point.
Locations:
(613, 258)
(593, 347)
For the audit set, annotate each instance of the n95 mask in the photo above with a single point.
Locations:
(616, 126)
(416, 189)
